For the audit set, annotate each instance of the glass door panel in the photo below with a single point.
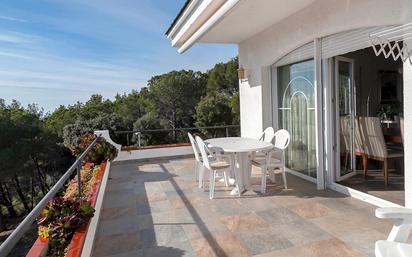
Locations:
(346, 116)
(296, 112)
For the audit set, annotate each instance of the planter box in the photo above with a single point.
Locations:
(40, 247)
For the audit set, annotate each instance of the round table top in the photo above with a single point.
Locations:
(239, 144)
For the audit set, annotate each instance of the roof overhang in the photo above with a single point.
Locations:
(227, 21)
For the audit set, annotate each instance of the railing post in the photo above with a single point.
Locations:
(227, 132)
(79, 180)
(138, 138)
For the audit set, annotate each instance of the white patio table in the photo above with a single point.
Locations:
(241, 148)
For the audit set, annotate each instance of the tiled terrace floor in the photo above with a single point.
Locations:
(154, 208)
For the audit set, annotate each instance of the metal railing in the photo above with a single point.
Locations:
(139, 132)
(24, 226)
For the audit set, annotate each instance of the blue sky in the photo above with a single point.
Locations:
(55, 52)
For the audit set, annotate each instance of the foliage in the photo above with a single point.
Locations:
(235, 106)
(214, 110)
(60, 219)
(175, 95)
(152, 121)
(87, 180)
(132, 107)
(99, 152)
(388, 111)
(72, 133)
(224, 77)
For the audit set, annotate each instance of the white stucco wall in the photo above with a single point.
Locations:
(322, 18)
(407, 91)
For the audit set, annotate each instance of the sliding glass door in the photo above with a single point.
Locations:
(296, 113)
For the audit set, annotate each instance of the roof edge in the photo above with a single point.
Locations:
(182, 10)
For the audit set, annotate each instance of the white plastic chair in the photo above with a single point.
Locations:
(267, 135)
(395, 245)
(198, 158)
(213, 166)
(274, 159)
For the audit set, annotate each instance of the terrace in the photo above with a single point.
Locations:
(153, 207)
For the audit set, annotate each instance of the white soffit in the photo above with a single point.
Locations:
(250, 17)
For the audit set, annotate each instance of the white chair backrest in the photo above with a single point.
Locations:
(401, 124)
(194, 146)
(345, 133)
(282, 139)
(359, 148)
(372, 135)
(267, 135)
(345, 126)
(203, 151)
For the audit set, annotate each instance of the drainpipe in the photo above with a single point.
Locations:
(208, 24)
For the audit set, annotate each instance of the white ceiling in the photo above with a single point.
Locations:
(249, 17)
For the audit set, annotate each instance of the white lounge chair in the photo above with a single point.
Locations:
(395, 245)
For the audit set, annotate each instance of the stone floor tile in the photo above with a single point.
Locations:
(205, 228)
(119, 199)
(363, 241)
(116, 213)
(181, 249)
(263, 240)
(159, 206)
(310, 210)
(245, 221)
(331, 248)
(126, 224)
(116, 244)
(300, 232)
(279, 215)
(219, 245)
(288, 252)
(257, 203)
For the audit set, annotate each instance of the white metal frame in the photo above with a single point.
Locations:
(352, 89)
(319, 115)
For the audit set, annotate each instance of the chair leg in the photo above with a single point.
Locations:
(196, 171)
(226, 178)
(365, 166)
(212, 184)
(284, 177)
(201, 175)
(263, 182)
(385, 171)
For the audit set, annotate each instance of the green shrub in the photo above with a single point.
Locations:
(100, 151)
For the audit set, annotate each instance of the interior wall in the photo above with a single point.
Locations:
(366, 74)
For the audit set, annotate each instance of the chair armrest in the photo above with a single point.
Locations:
(394, 213)
(402, 222)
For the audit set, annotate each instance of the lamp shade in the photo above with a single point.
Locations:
(241, 73)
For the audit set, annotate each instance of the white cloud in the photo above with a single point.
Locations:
(8, 18)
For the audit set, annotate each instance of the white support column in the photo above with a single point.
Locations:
(319, 114)
(407, 109)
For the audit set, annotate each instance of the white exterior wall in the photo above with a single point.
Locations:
(407, 91)
(322, 18)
